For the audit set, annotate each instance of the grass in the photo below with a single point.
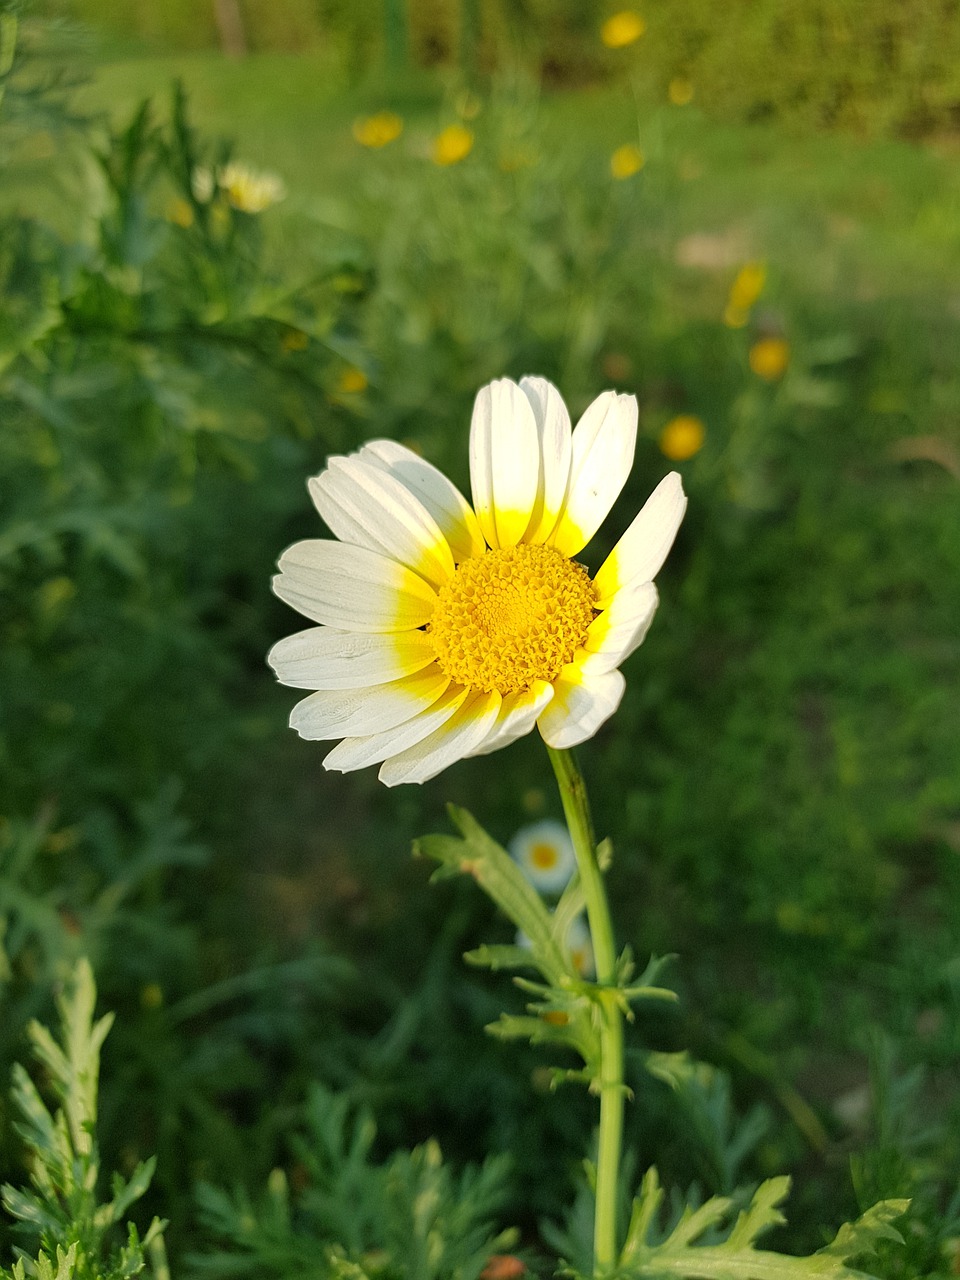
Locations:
(835, 215)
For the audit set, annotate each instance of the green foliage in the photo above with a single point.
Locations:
(783, 773)
(408, 1218)
(62, 1212)
(647, 1253)
(716, 1239)
(566, 1012)
(889, 67)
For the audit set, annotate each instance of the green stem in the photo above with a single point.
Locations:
(573, 794)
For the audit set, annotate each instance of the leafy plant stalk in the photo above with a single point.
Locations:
(576, 808)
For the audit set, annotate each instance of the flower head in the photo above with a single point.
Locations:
(769, 358)
(249, 190)
(682, 437)
(452, 145)
(448, 630)
(626, 161)
(352, 381)
(747, 285)
(378, 130)
(544, 852)
(622, 29)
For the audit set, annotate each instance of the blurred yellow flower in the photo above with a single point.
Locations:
(769, 358)
(680, 91)
(747, 285)
(622, 29)
(626, 161)
(734, 318)
(180, 212)
(352, 381)
(682, 437)
(250, 190)
(379, 130)
(452, 145)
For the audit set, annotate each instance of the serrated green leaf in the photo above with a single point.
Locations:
(493, 956)
(735, 1258)
(479, 855)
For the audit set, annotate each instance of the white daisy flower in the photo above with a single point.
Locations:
(578, 942)
(580, 945)
(447, 630)
(544, 853)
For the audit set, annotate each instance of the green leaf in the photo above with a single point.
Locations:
(479, 855)
(735, 1257)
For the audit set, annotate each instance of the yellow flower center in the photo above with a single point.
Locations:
(511, 617)
(544, 856)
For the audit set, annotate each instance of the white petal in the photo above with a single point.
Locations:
(344, 713)
(603, 445)
(581, 703)
(323, 658)
(504, 462)
(351, 587)
(366, 506)
(553, 427)
(451, 742)
(518, 715)
(357, 753)
(618, 630)
(442, 498)
(641, 551)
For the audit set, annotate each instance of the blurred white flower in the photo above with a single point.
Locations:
(203, 183)
(580, 946)
(544, 853)
(577, 942)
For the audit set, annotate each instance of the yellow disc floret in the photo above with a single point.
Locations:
(511, 617)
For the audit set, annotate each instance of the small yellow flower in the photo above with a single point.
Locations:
(622, 29)
(748, 285)
(769, 358)
(249, 190)
(626, 161)
(379, 130)
(680, 91)
(682, 437)
(180, 212)
(452, 145)
(352, 381)
(295, 340)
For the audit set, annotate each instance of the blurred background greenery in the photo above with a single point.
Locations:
(238, 236)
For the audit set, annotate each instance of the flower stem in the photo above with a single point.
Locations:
(573, 794)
